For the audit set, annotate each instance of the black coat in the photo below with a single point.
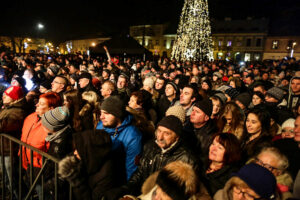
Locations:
(93, 174)
(154, 159)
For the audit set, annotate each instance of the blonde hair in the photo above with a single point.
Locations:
(92, 105)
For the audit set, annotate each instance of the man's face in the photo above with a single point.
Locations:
(297, 130)
(165, 137)
(159, 84)
(259, 89)
(121, 82)
(198, 116)
(83, 82)
(72, 69)
(186, 96)
(108, 120)
(57, 85)
(270, 99)
(170, 91)
(295, 86)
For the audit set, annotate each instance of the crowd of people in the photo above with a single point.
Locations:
(163, 130)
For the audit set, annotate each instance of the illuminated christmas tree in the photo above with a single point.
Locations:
(193, 40)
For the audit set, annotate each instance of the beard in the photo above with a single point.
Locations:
(111, 124)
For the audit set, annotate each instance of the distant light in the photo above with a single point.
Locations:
(28, 39)
(40, 26)
(242, 63)
(25, 45)
(93, 44)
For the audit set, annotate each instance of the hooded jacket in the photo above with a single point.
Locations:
(126, 144)
(93, 174)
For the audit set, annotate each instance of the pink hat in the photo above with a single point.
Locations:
(14, 92)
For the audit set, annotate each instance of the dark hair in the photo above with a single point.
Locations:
(264, 118)
(195, 93)
(232, 147)
(74, 99)
(139, 96)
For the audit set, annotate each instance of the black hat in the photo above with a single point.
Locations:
(46, 84)
(85, 75)
(171, 122)
(54, 69)
(232, 92)
(244, 98)
(173, 85)
(205, 105)
(115, 106)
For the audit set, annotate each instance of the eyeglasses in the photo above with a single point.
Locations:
(246, 195)
(261, 163)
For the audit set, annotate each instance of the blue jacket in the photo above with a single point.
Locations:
(126, 138)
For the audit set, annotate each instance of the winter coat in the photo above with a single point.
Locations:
(126, 144)
(93, 174)
(216, 180)
(154, 159)
(11, 121)
(199, 139)
(33, 134)
(163, 105)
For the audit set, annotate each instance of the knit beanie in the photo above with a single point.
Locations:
(244, 98)
(54, 69)
(288, 123)
(173, 123)
(232, 92)
(276, 93)
(46, 84)
(149, 82)
(115, 106)
(85, 75)
(259, 179)
(173, 85)
(21, 81)
(218, 74)
(14, 92)
(221, 96)
(206, 106)
(56, 119)
(177, 111)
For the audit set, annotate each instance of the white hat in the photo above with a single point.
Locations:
(288, 123)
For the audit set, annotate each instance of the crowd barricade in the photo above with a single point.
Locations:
(46, 158)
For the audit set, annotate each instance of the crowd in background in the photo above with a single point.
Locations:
(163, 129)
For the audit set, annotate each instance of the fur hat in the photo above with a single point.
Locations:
(56, 119)
(14, 92)
(288, 123)
(178, 180)
(173, 123)
(276, 93)
(115, 106)
(177, 111)
(263, 182)
(206, 106)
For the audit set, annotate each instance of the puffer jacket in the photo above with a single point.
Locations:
(11, 121)
(126, 143)
(33, 134)
(154, 159)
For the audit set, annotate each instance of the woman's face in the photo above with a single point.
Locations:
(133, 102)
(159, 194)
(42, 107)
(216, 151)
(216, 106)
(232, 84)
(256, 100)
(228, 118)
(253, 124)
(288, 132)
(205, 86)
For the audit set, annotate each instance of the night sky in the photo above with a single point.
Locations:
(72, 19)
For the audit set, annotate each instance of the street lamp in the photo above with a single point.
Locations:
(40, 26)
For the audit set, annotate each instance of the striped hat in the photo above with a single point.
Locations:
(56, 119)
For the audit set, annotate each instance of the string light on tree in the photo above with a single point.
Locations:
(193, 40)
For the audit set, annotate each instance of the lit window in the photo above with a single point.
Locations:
(229, 43)
(275, 44)
(247, 57)
(220, 43)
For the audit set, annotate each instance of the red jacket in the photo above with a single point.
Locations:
(33, 134)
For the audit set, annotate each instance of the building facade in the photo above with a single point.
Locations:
(237, 40)
(27, 45)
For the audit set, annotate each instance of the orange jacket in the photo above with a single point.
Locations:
(33, 134)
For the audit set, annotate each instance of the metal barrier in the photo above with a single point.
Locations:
(45, 159)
